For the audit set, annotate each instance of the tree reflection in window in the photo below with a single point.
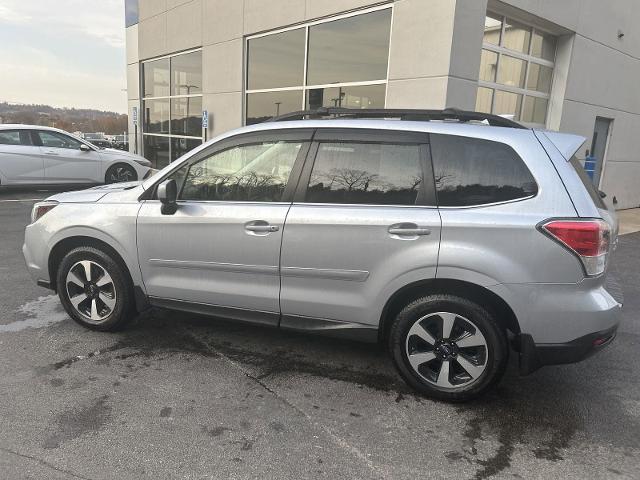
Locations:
(248, 173)
(361, 173)
(472, 171)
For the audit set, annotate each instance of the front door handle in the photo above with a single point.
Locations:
(260, 227)
(51, 152)
(408, 230)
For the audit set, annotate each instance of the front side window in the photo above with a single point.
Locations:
(248, 173)
(14, 137)
(516, 71)
(58, 140)
(472, 171)
(346, 66)
(366, 173)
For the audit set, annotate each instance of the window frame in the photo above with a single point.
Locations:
(528, 58)
(169, 97)
(303, 135)
(426, 196)
(304, 88)
(490, 204)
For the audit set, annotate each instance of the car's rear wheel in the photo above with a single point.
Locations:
(119, 173)
(448, 347)
(95, 290)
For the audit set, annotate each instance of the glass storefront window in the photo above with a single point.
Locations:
(156, 150)
(512, 71)
(156, 78)
(492, 29)
(535, 110)
(516, 70)
(352, 49)
(156, 116)
(262, 106)
(186, 74)
(484, 100)
(172, 106)
(346, 65)
(369, 96)
(516, 36)
(488, 66)
(507, 104)
(543, 46)
(539, 78)
(276, 61)
(180, 146)
(131, 16)
(186, 116)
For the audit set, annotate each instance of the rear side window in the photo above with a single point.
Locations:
(473, 171)
(14, 137)
(588, 184)
(366, 173)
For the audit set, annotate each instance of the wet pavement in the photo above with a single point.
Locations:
(183, 396)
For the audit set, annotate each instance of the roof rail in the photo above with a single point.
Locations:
(451, 114)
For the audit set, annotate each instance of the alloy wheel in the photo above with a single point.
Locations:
(447, 350)
(91, 291)
(121, 174)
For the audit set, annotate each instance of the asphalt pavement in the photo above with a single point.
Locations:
(183, 396)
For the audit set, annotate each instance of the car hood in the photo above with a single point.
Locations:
(94, 194)
(112, 152)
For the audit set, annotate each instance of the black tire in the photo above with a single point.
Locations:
(466, 314)
(120, 172)
(120, 285)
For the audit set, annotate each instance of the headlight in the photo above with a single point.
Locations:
(143, 162)
(41, 208)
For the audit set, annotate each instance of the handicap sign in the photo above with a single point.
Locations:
(135, 115)
(205, 119)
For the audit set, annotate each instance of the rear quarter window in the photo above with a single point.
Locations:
(472, 171)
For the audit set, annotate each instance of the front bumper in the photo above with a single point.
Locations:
(533, 356)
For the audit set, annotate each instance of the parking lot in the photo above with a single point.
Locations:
(183, 396)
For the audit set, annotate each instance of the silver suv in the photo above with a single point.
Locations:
(449, 236)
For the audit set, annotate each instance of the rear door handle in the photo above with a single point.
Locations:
(408, 230)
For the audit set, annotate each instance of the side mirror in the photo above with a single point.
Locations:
(85, 148)
(168, 196)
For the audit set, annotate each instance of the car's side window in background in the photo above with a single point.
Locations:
(366, 173)
(14, 137)
(472, 171)
(58, 140)
(247, 173)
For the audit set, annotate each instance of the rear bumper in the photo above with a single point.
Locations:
(533, 356)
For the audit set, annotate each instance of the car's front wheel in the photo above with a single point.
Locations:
(448, 347)
(95, 290)
(119, 173)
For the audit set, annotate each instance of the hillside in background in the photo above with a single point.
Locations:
(69, 119)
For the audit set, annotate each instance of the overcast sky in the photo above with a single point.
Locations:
(65, 53)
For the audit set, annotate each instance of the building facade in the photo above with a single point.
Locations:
(566, 65)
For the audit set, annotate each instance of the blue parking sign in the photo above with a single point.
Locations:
(205, 119)
(135, 115)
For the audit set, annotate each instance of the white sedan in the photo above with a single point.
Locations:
(34, 155)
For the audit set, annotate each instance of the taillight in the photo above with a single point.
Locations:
(39, 209)
(587, 239)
